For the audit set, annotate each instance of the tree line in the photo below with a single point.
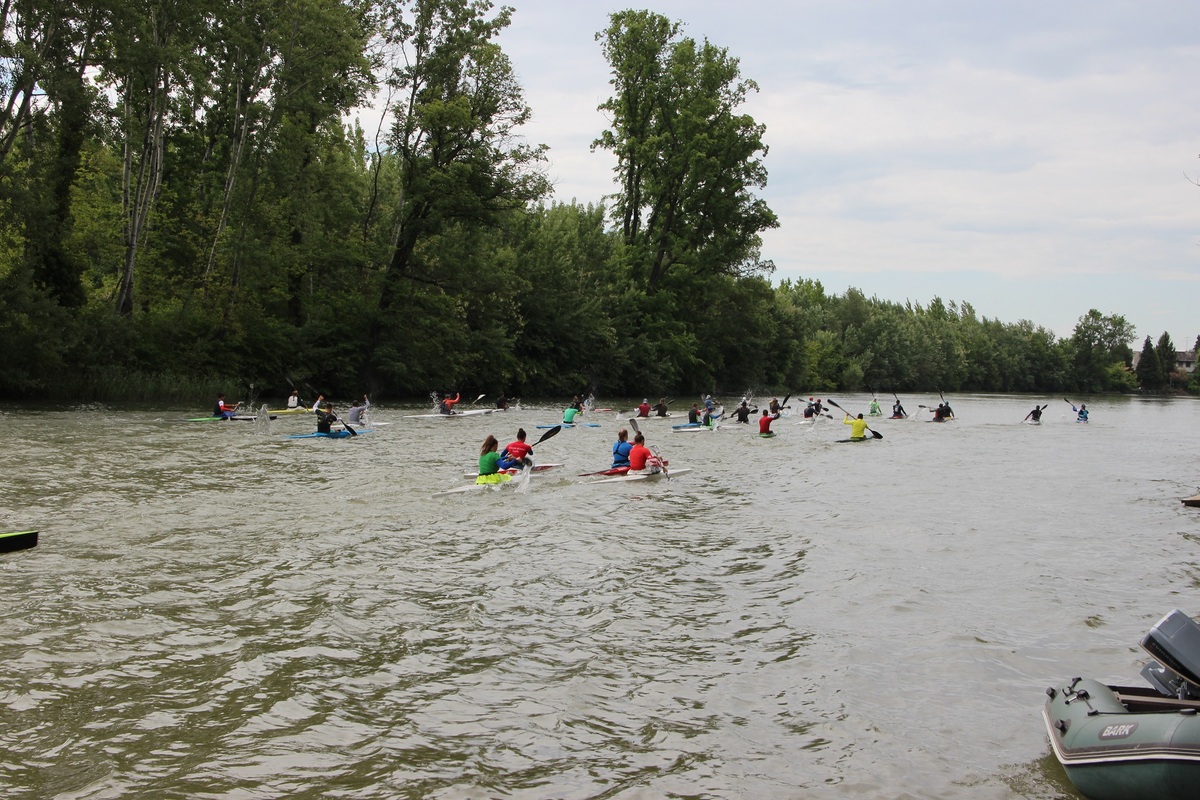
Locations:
(185, 207)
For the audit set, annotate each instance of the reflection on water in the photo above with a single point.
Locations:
(216, 610)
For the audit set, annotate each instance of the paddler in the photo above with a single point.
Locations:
(875, 410)
(223, 409)
(294, 399)
(446, 406)
(764, 422)
(742, 413)
(325, 418)
(858, 427)
(489, 463)
(640, 456)
(643, 410)
(621, 449)
(694, 415)
(516, 454)
(1035, 415)
(661, 409)
(359, 407)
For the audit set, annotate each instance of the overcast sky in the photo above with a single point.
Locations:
(1031, 158)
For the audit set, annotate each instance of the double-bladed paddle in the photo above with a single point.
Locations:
(876, 434)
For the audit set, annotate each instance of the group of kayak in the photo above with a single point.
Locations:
(322, 410)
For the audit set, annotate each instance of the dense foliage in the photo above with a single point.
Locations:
(183, 206)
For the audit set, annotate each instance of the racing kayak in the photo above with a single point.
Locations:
(474, 412)
(697, 428)
(644, 476)
(503, 479)
(536, 468)
(290, 412)
(242, 417)
(343, 434)
(18, 540)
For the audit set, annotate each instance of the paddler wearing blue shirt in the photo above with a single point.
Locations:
(621, 449)
(858, 426)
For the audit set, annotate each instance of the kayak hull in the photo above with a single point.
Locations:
(1193, 501)
(631, 477)
(330, 435)
(18, 540)
(474, 412)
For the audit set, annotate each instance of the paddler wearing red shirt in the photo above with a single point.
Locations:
(515, 453)
(644, 409)
(639, 454)
(764, 422)
(447, 405)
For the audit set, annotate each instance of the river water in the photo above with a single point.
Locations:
(217, 610)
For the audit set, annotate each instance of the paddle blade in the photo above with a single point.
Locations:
(552, 432)
(785, 399)
(633, 424)
(352, 431)
(839, 408)
(876, 434)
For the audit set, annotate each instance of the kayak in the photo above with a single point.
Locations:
(864, 439)
(290, 412)
(766, 435)
(474, 412)
(331, 435)
(692, 428)
(644, 476)
(242, 417)
(514, 471)
(501, 480)
(18, 540)
(1193, 501)
(571, 425)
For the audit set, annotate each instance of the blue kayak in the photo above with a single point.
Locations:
(330, 435)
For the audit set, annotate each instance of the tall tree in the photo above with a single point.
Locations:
(1149, 368)
(1101, 350)
(687, 161)
(1166, 359)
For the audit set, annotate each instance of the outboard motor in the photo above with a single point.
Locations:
(1174, 641)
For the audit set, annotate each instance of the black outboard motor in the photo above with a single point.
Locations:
(1174, 641)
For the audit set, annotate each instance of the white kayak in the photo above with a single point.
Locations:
(645, 476)
(514, 471)
(517, 482)
(474, 412)
(693, 428)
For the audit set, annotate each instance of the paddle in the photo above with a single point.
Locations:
(552, 432)
(876, 434)
(347, 427)
(477, 399)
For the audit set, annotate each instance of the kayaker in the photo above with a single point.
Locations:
(569, 414)
(489, 463)
(694, 415)
(621, 449)
(294, 400)
(359, 407)
(1035, 415)
(661, 408)
(325, 418)
(774, 405)
(639, 454)
(898, 411)
(643, 410)
(502, 402)
(223, 409)
(875, 410)
(764, 422)
(946, 412)
(708, 418)
(858, 427)
(939, 413)
(1081, 412)
(742, 413)
(446, 406)
(515, 455)
(710, 405)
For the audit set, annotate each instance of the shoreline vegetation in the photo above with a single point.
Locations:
(175, 224)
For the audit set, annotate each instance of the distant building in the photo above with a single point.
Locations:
(1185, 360)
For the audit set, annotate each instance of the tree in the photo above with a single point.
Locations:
(1099, 343)
(687, 161)
(1149, 368)
(1166, 360)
